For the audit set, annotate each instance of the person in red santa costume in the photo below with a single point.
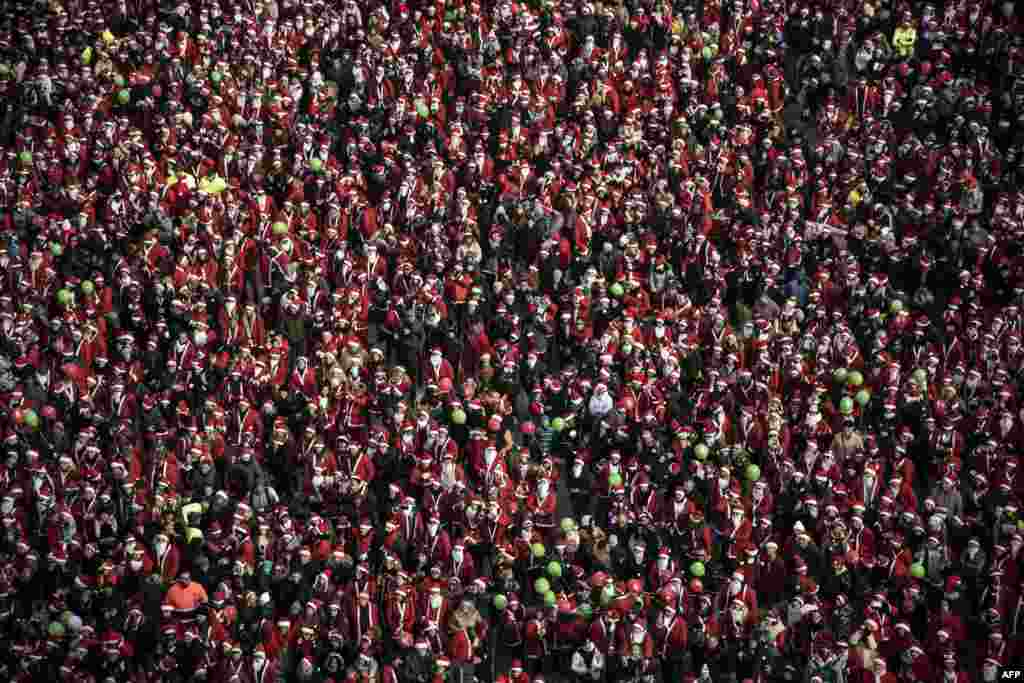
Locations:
(542, 507)
(364, 618)
(737, 588)
(467, 634)
(437, 368)
(263, 669)
(460, 564)
(433, 618)
(720, 502)
(951, 671)
(167, 557)
(760, 502)
(488, 468)
(736, 532)
(877, 672)
(400, 612)
(538, 649)
(670, 634)
(637, 654)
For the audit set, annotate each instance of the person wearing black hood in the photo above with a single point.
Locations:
(246, 474)
(294, 591)
(204, 480)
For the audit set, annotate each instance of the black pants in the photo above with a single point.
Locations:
(673, 668)
(462, 673)
(540, 666)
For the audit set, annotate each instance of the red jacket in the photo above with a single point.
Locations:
(400, 617)
(511, 628)
(460, 647)
(863, 542)
(536, 638)
(466, 572)
(646, 649)
(740, 536)
(671, 639)
(543, 511)
(437, 549)
(435, 375)
(363, 624)
(770, 577)
(604, 634)
(168, 564)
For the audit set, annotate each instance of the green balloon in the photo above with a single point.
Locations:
(31, 418)
(124, 96)
(753, 472)
(554, 569)
(855, 379)
(64, 297)
(25, 158)
(614, 480)
(550, 600)
(541, 586)
(707, 53)
(500, 602)
(839, 375)
(846, 405)
(558, 424)
(700, 451)
(88, 287)
(862, 397)
(56, 249)
(568, 524)
(316, 165)
(616, 289)
(280, 228)
(697, 569)
(459, 416)
(917, 570)
(538, 549)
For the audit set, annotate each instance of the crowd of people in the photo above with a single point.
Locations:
(511, 341)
